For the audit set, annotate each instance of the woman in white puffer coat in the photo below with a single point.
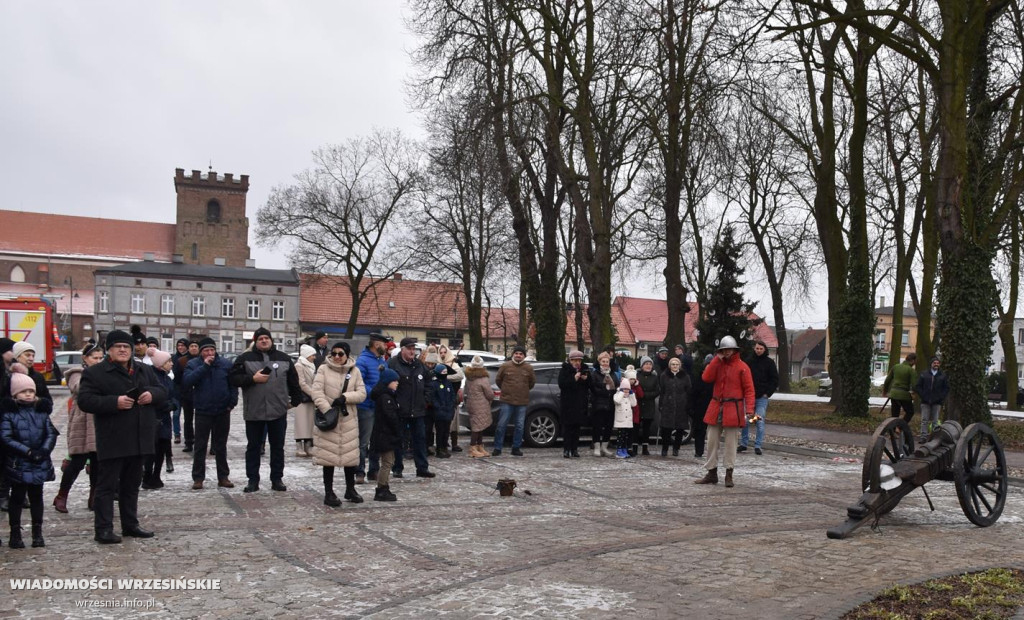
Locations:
(306, 369)
(338, 383)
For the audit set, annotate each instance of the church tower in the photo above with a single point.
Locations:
(211, 221)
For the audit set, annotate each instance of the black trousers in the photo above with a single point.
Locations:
(624, 437)
(642, 431)
(350, 479)
(155, 462)
(218, 426)
(35, 498)
(906, 405)
(76, 463)
(700, 432)
(188, 408)
(254, 430)
(667, 438)
(571, 437)
(441, 433)
(123, 477)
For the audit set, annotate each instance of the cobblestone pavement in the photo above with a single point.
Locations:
(594, 537)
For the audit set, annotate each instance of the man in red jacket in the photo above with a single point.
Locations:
(732, 397)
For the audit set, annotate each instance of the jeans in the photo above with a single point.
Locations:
(929, 417)
(418, 428)
(507, 411)
(275, 429)
(760, 407)
(176, 421)
(365, 432)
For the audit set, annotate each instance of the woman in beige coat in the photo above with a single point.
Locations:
(338, 383)
(81, 436)
(455, 377)
(306, 370)
(478, 403)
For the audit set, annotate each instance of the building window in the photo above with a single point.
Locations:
(195, 251)
(227, 343)
(213, 211)
(1020, 336)
(138, 303)
(17, 274)
(167, 304)
(906, 339)
(167, 343)
(253, 309)
(198, 306)
(278, 311)
(227, 308)
(104, 301)
(880, 340)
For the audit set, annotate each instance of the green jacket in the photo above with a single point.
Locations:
(899, 381)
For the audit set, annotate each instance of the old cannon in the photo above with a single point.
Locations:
(971, 458)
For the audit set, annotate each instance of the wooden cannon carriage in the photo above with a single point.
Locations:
(973, 459)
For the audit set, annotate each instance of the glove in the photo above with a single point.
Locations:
(339, 402)
(35, 456)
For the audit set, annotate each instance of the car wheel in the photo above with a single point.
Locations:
(541, 429)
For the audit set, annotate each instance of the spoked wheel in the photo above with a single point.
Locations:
(891, 442)
(979, 472)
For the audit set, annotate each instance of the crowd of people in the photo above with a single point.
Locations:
(367, 414)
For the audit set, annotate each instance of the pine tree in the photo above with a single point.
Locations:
(724, 312)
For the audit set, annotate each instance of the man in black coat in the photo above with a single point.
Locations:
(411, 397)
(766, 380)
(123, 396)
(933, 388)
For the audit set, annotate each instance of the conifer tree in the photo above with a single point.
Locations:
(724, 312)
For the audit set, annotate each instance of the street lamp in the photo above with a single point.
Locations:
(71, 310)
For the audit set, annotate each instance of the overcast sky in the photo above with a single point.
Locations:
(102, 100)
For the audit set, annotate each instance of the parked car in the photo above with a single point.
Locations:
(62, 360)
(465, 356)
(543, 426)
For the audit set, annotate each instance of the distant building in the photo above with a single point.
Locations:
(806, 352)
(999, 361)
(55, 255)
(884, 336)
(176, 300)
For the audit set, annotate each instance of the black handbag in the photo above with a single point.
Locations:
(327, 421)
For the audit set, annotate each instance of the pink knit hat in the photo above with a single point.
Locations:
(159, 358)
(20, 383)
(625, 385)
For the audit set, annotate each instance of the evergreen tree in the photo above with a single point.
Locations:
(724, 312)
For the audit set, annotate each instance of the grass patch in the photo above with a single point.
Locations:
(822, 415)
(995, 593)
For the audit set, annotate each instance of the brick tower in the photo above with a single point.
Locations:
(211, 218)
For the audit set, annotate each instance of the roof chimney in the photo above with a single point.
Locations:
(398, 277)
(881, 301)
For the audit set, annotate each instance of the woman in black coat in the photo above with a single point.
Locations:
(650, 383)
(674, 405)
(602, 408)
(574, 386)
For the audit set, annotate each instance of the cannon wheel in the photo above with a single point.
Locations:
(892, 441)
(979, 472)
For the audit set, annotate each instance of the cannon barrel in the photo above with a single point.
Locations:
(945, 435)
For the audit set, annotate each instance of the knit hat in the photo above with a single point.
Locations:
(207, 342)
(153, 342)
(476, 362)
(262, 331)
(388, 376)
(137, 335)
(575, 355)
(20, 383)
(519, 349)
(629, 373)
(432, 358)
(159, 358)
(625, 385)
(6, 344)
(183, 341)
(645, 360)
(305, 351)
(344, 346)
(20, 347)
(319, 335)
(117, 336)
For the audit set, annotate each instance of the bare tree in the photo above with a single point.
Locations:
(336, 215)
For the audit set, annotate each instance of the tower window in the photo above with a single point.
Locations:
(17, 274)
(195, 251)
(213, 211)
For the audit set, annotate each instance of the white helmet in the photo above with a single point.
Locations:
(727, 342)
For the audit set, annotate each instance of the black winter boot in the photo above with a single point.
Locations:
(384, 494)
(16, 542)
(37, 535)
(330, 499)
(645, 451)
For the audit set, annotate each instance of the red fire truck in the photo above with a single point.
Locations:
(31, 319)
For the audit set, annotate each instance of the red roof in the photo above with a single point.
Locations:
(623, 330)
(648, 320)
(48, 233)
(421, 304)
(500, 323)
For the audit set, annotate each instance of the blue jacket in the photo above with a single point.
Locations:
(163, 414)
(25, 430)
(212, 392)
(440, 395)
(370, 366)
